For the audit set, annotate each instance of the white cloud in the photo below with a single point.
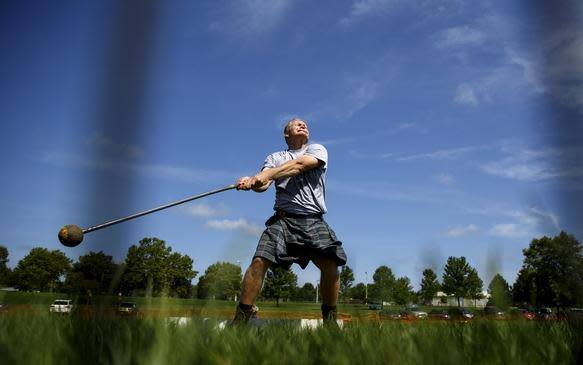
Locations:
(537, 217)
(107, 146)
(459, 231)
(519, 170)
(387, 192)
(205, 210)
(460, 36)
(445, 179)
(563, 57)
(554, 66)
(519, 223)
(158, 171)
(537, 165)
(249, 18)
(240, 224)
(399, 128)
(465, 95)
(446, 154)
(391, 131)
(510, 230)
(511, 73)
(354, 94)
(364, 8)
(362, 92)
(530, 72)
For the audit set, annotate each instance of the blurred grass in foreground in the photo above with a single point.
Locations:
(62, 339)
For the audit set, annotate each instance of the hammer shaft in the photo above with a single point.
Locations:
(136, 215)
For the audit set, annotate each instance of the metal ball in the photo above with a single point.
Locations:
(71, 235)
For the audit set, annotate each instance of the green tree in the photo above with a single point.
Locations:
(429, 286)
(402, 291)
(346, 280)
(151, 266)
(93, 272)
(180, 274)
(556, 264)
(306, 293)
(499, 291)
(41, 270)
(4, 270)
(279, 284)
(358, 292)
(221, 280)
(382, 288)
(459, 278)
(474, 285)
(524, 289)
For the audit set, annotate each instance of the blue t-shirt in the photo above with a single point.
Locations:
(304, 193)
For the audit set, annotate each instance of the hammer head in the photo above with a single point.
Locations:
(71, 235)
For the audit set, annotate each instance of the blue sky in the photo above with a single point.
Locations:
(452, 127)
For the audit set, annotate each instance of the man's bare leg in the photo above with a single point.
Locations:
(329, 286)
(253, 280)
(251, 289)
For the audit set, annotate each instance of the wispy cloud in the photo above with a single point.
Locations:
(537, 217)
(537, 165)
(240, 224)
(387, 192)
(563, 59)
(510, 73)
(445, 179)
(460, 36)
(459, 231)
(512, 79)
(390, 131)
(202, 210)
(108, 146)
(531, 221)
(251, 18)
(530, 72)
(363, 91)
(444, 154)
(466, 95)
(510, 230)
(364, 8)
(158, 171)
(409, 126)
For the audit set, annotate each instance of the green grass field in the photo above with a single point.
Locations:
(39, 302)
(44, 339)
(30, 335)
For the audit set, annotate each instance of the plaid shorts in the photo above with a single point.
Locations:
(287, 240)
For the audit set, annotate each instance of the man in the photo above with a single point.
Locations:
(296, 233)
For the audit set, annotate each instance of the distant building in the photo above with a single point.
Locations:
(444, 300)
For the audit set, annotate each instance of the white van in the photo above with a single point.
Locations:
(61, 306)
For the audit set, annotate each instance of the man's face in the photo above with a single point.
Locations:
(298, 128)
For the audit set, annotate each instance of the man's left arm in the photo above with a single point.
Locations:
(291, 168)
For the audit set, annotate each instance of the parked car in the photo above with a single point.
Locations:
(545, 314)
(460, 314)
(494, 312)
(389, 314)
(375, 305)
(61, 306)
(413, 313)
(438, 314)
(522, 313)
(127, 308)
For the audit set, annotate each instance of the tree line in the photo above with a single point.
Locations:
(551, 275)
